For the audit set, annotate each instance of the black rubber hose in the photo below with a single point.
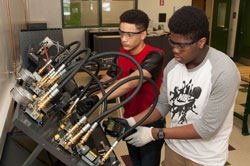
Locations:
(149, 112)
(100, 117)
(70, 58)
(94, 88)
(68, 72)
(99, 84)
(78, 67)
(71, 68)
(93, 77)
(112, 89)
(86, 88)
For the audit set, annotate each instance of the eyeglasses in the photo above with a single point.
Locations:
(181, 46)
(128, 34)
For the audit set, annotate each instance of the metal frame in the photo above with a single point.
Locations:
(43, 135)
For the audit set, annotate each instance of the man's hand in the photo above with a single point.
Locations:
(86, 104)
(141, 137)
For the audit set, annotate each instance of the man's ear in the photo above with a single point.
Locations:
(202, 42)
(143, 35)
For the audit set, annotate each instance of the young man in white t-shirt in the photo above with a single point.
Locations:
(199, 89)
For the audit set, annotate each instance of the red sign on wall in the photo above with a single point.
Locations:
(161, 2)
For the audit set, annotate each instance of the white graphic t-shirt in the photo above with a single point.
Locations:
(203, 96)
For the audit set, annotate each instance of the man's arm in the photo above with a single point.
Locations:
(182, 132)
(151, 67)
(216, 110)
(105, 78)
(145, 135)
(154, 116)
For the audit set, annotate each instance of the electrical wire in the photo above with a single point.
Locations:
(47, 56)
(63, 50)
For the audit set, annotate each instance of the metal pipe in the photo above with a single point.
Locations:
(11, 40)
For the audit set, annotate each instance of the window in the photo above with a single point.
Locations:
(94, 13)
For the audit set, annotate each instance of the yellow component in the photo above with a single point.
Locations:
(62, 126)
(57, 136)
(93, 153)
(34, 96)
(41, 115)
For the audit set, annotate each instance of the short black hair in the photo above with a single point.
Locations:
(190, 22)
(137, 17)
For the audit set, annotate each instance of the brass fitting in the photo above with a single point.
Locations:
(42, 98)
(103, 144)
(84, 138)
(75, 127)
(51, 80)
(43, 104)
(106, 156)
(64, 120)
(68, 114)
(73, 140)
(43, 80)
(41, 70)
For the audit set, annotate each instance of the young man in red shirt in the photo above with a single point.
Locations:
(133, 31)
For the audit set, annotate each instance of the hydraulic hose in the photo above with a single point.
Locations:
(99, 84)
(108, 153)
(94, 88)
(92, 79)
(70, 58)
(111, 90)
(83, 61)
(100, 117)
(68, 137)
(149, 112)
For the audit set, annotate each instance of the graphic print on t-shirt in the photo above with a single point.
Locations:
(183, 100)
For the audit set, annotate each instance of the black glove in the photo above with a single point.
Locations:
(112, 71)
(86, 104)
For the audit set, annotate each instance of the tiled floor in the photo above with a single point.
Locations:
(241, 144)
(240, 156)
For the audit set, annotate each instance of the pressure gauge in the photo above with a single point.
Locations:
(26, 75)
(21, 95)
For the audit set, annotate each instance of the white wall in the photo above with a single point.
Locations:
(50, 11)
(233, 28)
(7, 80)
(153, 8)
